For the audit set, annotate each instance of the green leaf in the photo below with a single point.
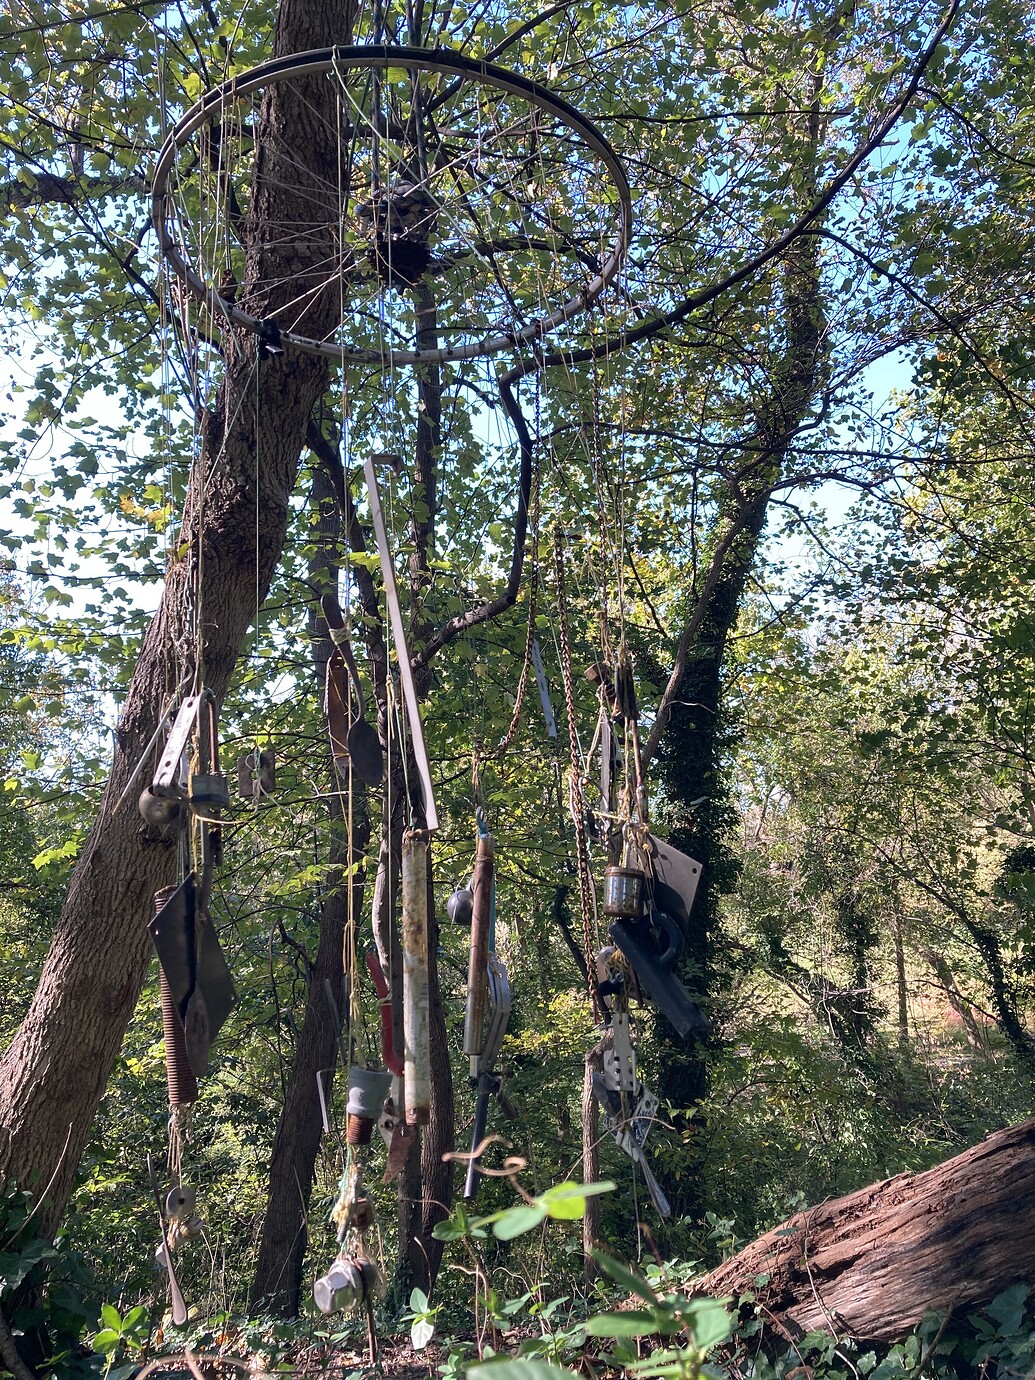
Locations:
(106, 1340)
(518, 1220)
(421, 1333)
(449, 1230)
(1007, 1308)
(708, 1320)
(630, 1280)
(567, 1201)
(110, 1316)
(518, 1369)
(635, 1323)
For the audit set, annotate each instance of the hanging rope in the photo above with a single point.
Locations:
(587, 897)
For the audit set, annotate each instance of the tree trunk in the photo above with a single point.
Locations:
(53, 1075)
(277, 1281)
(869, 1265)
(690, 734)
(591, 1159)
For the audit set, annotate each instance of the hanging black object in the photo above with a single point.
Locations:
(195, 969)
(460, 906)
(361, 740)
(652, 948)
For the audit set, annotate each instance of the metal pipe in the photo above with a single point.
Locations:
(417, 1052)
(477, 969)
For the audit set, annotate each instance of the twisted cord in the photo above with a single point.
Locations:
(576, 803)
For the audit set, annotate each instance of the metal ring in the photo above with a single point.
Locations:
(380, 58)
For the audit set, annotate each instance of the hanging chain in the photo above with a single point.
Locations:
(575, 797)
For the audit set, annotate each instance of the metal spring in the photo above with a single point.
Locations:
(179, 1076)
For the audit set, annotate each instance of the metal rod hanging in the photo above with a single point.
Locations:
(417, 1051)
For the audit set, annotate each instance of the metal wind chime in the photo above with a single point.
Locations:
(448, 212)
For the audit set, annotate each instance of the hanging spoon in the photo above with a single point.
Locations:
(179, 1308)
(363, 743)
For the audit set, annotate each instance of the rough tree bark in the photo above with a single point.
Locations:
(869, 1265)
(53, 1075)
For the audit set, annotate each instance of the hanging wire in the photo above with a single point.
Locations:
(587, 891)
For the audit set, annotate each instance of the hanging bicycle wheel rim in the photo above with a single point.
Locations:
(454, 210)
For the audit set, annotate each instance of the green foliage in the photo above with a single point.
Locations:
(422, 1325)
(47, 1293)
(120, 1335)
(997, 1340)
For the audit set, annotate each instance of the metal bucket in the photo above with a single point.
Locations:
(623, 892)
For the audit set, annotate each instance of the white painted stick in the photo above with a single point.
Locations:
(409, 690)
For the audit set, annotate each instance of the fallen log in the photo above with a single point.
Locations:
(869, 1264)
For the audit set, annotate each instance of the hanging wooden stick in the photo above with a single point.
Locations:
(409, 689)
(417, 1053)
(477, 970)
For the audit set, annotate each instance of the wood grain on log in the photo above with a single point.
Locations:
(869, 1264)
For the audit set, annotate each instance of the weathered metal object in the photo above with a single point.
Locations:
(477, 968)
(623, 892)
(257, 774)
(394, 206)
(340, 1288)
(209, 792)
(676, 876)
(363, 746)
(164, 1255)
(200, 985)
(417, 1053)
(652, 949)
(393, 1061)
(158, 811)
(368, 1089)
(488, 1082)
(460, 906)
(167, 780)
(179, 1076)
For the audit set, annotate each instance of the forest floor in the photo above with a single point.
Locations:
(397, 1360)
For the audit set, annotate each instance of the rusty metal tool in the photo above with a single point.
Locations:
(488, 1081)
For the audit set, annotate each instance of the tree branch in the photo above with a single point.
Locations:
(491, 607)
(783, 242)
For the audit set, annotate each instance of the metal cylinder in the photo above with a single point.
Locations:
(417, 1051)
(478, 959)
(368, 1089)
(623, 892)
(209, 791)
(340, 1288)
(179, 1076)
(358, 1130)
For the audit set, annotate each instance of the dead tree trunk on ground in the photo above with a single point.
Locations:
(869, 1265)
